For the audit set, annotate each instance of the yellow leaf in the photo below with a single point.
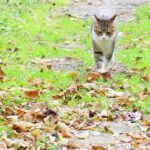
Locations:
(72, 74)
(35, 133)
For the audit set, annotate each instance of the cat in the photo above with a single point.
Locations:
(104, 32)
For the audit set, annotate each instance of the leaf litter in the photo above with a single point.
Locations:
(36, 126)
(86, 126)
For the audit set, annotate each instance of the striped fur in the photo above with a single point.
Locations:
(104, 35)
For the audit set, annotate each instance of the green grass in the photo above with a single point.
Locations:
(36, 31)
(137, 56)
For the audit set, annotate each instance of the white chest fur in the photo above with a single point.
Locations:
(104, 44)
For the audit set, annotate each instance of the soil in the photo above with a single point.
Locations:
(125, 9)
(60, 64)
(119, 140)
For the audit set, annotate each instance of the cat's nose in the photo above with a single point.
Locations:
(103, 38)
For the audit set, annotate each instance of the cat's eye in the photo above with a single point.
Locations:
(99, 33)
(108, 33)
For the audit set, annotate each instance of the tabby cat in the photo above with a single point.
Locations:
(104, 35)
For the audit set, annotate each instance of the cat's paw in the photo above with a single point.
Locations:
(101, 70)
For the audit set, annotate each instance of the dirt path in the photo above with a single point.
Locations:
(84, 9)
(121, 137)
(125, 9)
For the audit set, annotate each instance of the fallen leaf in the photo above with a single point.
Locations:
(35, 133)
(65, 131)
(36, 82)
(146, 122)
(71, 145)
(1, 104)
(22, 126)
(108, 130)
(90, 86)
(72, 89)
(106, 76)
(92, 76)
(128, 46)
(49, 66)
(112, 93)
(3, 146)
(143, 95)
(72, 74)
(33, 94)
(98, 148)
(59, 95)
(2, 74)
(50, 112)
(18, 142)
(2, 94)
(123, 101)
(83, 135)
(145, 78)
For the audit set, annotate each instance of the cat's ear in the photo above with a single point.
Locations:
(112, 19)
(97, 19)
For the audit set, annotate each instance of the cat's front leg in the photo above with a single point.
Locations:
(108, 61)
(99, 60)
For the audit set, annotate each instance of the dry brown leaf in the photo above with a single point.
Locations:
(138, 139)
(106, 76)
(9, 111)
(83, 135)
(59, 95)
(145, 78)
(107, 129)
(64, 130)
(49, 66)
(1, 104)
(33, 94)
(92, 76)
(71, 145)
(36, 82)
(50, 112)
(3, 146)
(94, 147)
(20, 112)
(22, 126)
(72, 89)
(128, 46)
(143, 95)
(123, 101)
(2, 74)
(18, 142)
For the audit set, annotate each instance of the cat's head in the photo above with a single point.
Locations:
(105, 28)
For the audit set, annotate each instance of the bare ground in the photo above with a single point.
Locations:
(125, 11)
(86, 8)
(120, 138)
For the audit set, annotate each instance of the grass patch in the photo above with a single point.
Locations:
(136, 55)
(29, 30)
